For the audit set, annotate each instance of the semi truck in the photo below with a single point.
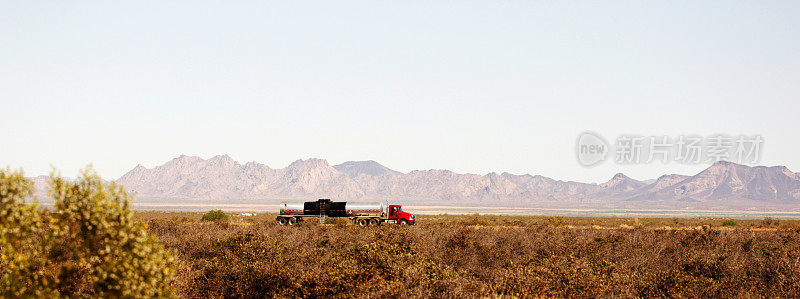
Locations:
(360, 213)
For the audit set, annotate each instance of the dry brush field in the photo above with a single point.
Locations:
(476, 256)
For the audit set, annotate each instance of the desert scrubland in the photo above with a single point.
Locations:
(482, 255)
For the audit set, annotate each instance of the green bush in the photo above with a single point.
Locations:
(90, 246)
(22, 257)
(768, 221)
(729, 223)
(215, 215)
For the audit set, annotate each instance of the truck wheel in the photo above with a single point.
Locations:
(292, 221)
(362, 222)
(403, 222)
(282, 221)
(374, 221)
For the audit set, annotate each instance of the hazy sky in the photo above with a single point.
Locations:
(468, 86)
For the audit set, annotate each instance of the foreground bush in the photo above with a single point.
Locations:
(89, 246)
(23, 251)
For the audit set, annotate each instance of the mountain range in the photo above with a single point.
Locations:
(723, 185)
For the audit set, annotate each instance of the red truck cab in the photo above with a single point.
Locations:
(397, 214)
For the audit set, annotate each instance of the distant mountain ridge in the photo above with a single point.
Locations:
(220, 178)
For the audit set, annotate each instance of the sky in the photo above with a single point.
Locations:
(469, 86)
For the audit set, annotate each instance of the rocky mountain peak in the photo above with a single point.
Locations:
(370, 168)
(223, 160)
(309, 163)
(724, 166)
(255, 165)
(311, 169)
(184, 160)
(671, 177)
(621, 182)
(619, 176)
(618, 179)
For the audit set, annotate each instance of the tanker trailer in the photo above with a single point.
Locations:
(361, 213)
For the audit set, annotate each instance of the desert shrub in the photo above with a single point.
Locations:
(702, 266)
(475, 219)
(338, 221)
(215, 215)
(22, 254)
(556, 220)
(90, 246)
(768, 221)
(729, 222)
